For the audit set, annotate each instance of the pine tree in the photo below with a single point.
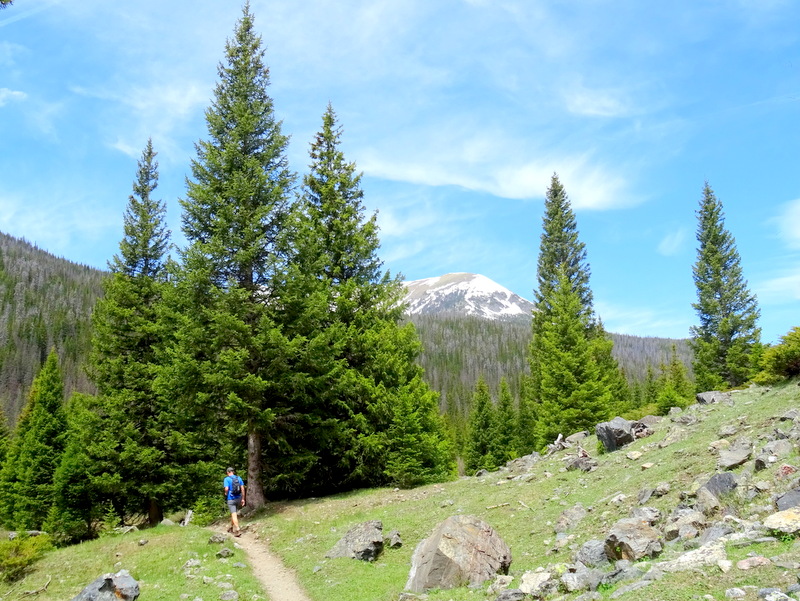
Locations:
(526, 421)
(40, 449)
(132, 442)
(481, 444)
(726, 343)
(361, 401)
(229, 359)
(77, 497)
(572, 393)
(563, 294)
(505, 425)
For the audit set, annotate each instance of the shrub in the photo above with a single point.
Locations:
(208, 509)
(18, 555)
(782, 361)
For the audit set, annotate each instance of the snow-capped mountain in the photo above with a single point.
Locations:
(465, 294)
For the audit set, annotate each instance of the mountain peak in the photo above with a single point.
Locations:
(464, 294)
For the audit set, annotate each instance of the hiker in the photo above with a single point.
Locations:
(234, 496)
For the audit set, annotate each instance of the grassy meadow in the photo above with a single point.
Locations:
(523, 512)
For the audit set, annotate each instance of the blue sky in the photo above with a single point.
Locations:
(458, 112)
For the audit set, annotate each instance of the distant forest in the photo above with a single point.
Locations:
(457, 350)
(46, 302)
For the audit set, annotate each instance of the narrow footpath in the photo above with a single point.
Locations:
(278, 581)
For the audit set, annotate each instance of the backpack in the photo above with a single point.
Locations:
(236, 487)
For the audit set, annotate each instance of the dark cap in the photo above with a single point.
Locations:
(230, 470)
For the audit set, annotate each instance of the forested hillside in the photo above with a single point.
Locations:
(45, 303)
(457, 350)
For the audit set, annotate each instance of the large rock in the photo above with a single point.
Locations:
(570, 518)
(593, 554)
(712, 396)
(707, 555)
(461, 550)
(788, 500)
(632, 539)
(683, 519)
(615, 434)
(787, 521)
(364, 542)
(111, 587)
(735, 455)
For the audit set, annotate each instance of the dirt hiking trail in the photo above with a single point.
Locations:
(278, 581)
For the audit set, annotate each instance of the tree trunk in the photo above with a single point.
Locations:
(154, 513)
(254, 493)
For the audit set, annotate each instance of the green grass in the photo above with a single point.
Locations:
(523, 513)
(157, 565)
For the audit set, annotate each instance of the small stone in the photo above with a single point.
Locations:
(752, 562)
(647, 466)
(634, 455)
(225, 552)
(192, 563)
(229, 596)
(725, 565)
(735, 593)
(143, 542)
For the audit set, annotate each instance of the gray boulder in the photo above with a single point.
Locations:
(707, 555)
(461, 550)
(363, 541)
(712, 396)
(680, 520)
(615, 434)
(721, 484)
(632, 539)
(593, 554)
(570, 518)
(111, 587)
(735, 455)
(788, 500)
(581, 578)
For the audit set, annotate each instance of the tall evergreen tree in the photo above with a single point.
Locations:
(229, 357)
(505, 425)
(526, 421)
(132, 448)
(39, 448)
(727, 341)
(362, 401)
(563, 294)
(572, 393)
(481, 448)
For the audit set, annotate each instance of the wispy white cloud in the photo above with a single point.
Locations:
(672, 243)
(583, 100)
(7, 96)
(644, 321)
(788, 223)
(781, 289)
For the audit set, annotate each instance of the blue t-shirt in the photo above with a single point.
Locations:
(228, 483)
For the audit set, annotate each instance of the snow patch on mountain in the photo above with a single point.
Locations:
(465, 294)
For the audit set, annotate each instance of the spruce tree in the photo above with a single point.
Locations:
(41, 445)
(228, 361)
(563, 294)
(481, 447)
(361, 402)
(726, 342)
(505, 425)
(526, 421)
(572, 393)
(132, 446)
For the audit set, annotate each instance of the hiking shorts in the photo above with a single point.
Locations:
(233, 504)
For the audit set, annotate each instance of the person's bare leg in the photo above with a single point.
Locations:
(235, 522)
